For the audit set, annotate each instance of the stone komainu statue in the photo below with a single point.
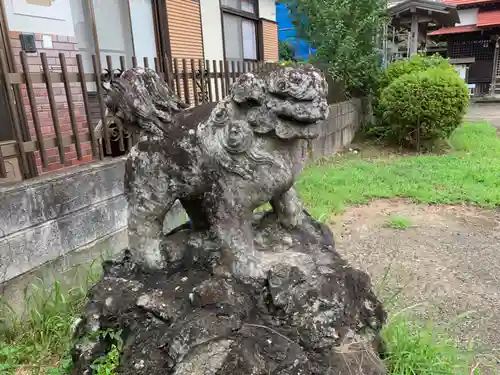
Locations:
(233, 292)
(220, 160)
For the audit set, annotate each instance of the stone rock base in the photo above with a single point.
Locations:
(312, 315)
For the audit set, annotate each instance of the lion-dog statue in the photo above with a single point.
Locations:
(220, 160)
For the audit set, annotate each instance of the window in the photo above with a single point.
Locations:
(239, 19)
(128, 32)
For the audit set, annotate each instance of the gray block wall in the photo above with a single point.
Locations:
(58, 221)
(339, 129)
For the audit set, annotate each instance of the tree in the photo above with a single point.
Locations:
(344, 32)
(285, 51)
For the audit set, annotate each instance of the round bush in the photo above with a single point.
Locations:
(417, 63)
(420, 108)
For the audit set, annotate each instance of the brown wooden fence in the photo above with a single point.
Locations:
(55, 125)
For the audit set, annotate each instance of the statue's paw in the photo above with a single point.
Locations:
(291, 220)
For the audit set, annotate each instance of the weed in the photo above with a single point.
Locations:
(40, 337)
(107, 364)
(398, 222)
(412, 348)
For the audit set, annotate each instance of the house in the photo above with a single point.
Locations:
(473, 43)
(119, 33)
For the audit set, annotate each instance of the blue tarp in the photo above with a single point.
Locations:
(287, 33)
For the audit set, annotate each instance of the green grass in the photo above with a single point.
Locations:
(398, 222)
(423, 349)
(39, 341)
(470, 173)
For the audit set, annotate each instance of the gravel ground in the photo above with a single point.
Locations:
(485, 111)
(447, 262)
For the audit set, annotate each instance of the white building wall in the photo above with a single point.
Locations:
(213, 48)
(51, 19)
(467, 17)
(211, 22)
(267, 10)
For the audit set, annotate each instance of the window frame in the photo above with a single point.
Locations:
(254, 17)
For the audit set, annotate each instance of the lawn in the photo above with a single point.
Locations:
(468, 173)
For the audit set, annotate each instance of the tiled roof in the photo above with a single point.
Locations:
(467, 2)
(454, 30)
(488, 18)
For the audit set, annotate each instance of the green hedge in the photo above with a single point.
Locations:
(424, 106)
(417, 63)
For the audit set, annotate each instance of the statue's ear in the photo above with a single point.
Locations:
(106, 77)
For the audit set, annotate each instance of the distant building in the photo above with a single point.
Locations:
(474, 43)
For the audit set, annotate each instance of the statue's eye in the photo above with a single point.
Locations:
(220, 114)
(295, 77)
(281, 85)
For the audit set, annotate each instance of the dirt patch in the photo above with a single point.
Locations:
(448, 260)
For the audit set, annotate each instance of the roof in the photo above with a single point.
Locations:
(488, 18)
(467, 2)
(454, 30)
(441, 13)
(485, 19)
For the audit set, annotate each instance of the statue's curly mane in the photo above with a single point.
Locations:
(281, 104)
(142, 98)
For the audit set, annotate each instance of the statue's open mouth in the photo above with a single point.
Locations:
(289, 128)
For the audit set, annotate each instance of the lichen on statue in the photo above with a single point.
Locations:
(221, 161)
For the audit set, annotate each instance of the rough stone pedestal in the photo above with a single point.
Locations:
(312, 314)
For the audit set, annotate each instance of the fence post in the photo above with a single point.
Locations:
(12, 106)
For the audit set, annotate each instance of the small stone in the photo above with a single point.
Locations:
(143, 300)
(177, 288)
(139, 365)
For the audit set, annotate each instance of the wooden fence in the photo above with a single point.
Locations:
(55, 125)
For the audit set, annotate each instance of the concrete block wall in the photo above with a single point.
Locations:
(339, 129)
(55, 222)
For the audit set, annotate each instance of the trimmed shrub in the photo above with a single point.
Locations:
(417, 63)
(420, 108)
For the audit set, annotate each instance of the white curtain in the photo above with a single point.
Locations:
(83, 33)
(143, 31)
(233, 37)
(114, 31)
(249, 39)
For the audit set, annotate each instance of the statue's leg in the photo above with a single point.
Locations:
(234, 230)
(148, 202)
(288, 207)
